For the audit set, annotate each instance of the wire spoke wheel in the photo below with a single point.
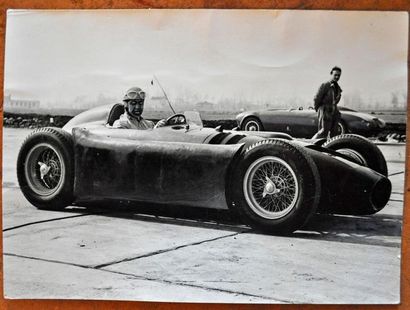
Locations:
(271, 188)
(44, 169)
(252, 124)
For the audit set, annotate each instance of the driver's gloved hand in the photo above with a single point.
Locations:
(161, 123)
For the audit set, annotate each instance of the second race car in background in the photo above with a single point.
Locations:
(302, 123)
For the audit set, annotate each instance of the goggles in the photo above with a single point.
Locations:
(134, 95)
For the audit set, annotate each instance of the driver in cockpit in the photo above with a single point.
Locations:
(134, 106)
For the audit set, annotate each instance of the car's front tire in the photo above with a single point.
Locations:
(276, 186)
(252, 124)
(45, 168)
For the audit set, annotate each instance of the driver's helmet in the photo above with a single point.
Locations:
(134, 93)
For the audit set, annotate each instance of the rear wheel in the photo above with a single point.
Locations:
(252, 124)
(45, 168)
(360, 150)
(276, 186)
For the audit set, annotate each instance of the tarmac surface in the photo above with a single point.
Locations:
(153, 253)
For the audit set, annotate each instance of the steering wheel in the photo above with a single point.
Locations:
(176, 119)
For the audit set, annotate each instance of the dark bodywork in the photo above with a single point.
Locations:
(111, 163)
(303, 123)
(192, 165)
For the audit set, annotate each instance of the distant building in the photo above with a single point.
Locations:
(204, 106)
(13, 105)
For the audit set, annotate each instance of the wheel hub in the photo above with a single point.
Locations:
(270, 188)
(354, 155)
(44, 169)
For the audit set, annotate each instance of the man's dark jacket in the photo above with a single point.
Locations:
(328, 94)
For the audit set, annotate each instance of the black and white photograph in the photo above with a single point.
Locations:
(204, 155)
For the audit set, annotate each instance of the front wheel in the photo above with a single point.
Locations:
(252, 124)
(276, 186)
(45, 168)
(360, 150)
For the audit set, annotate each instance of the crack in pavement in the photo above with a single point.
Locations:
(396, 173)
(48, 260)
(397, 200)
(45, 221)
(164, 251)
(207, 288)
(204, 287)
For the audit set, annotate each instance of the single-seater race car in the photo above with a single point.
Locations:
(273, 181)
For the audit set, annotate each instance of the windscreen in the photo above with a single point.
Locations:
(193, 118)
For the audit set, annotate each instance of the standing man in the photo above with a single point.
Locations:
(326, 100)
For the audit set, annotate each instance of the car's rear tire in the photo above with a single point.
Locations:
(276, 186)
(252, 124)
(45, 168)
(360, 150)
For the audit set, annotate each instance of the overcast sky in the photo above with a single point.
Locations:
(248, 54)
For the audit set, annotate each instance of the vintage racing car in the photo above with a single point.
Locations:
(273, 181)
(303, 123)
